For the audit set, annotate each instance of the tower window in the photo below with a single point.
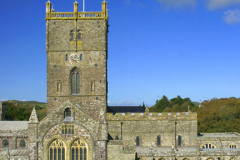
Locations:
(179, 140)
(75, 82)
(67, 112)
(58, 85)
(92, 86)
(71, 35)
(137, 141)
(79, 35)
(66, 57)
(81, 57)
(158, 140)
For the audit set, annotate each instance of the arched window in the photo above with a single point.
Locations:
(66, 57)
(79, 150)
(232, 158)
(232, 146)
(57, 150)
(116, 138)
(22, 143)
(71, 35)
(79, 35)
(179, 140)
(75, 82)
(185, 159)
(67, 112)
(158, 140)
(161, 159)
(5, 143)
(208, 146)
(137, 141)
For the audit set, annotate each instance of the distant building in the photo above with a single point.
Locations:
(78, 126)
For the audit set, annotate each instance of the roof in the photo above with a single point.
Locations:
(126, 109)
(14, 152)
(13, 125)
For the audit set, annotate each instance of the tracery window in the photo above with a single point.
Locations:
(22, 143)
(179, 140)
(67, 129)
(5, 143)
(232, 158)
(57, 150)
(137, 141)
(75, 82)
(79, 150)
(158, 140)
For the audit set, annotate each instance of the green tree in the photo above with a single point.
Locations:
(162, 103)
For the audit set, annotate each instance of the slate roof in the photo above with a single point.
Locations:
(13, 125)
(126, 109)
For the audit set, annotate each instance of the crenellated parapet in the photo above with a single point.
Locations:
(151, 116)
(51, 14)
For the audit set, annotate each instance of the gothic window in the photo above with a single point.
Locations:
(71, 35)
(5, 143)
(58, 86)
(79, 35)
(137, 141)
(67, 129)
(161, 159)
(158, 140)
(232, 158)
(92, 86)
(67, 112)
(22, 143)
(185, 159)
(57, 150)
(79, 150)
(75, 82)
(179, 140)
(116, 138)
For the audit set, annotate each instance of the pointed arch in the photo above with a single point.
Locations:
(79, 35)
(75, 81)
(79, 150)
(22, 143)
(57, 149)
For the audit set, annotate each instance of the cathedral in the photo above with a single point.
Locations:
(80, 126)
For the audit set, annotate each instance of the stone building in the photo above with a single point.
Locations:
(80, 126)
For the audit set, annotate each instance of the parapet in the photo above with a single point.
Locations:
(51, 14)
(151, 116)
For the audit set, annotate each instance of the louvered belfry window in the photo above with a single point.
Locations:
(75, 82)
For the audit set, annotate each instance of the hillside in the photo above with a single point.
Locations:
(21, 110)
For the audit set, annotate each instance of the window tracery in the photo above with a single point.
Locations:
(79, 150)
(57, 150)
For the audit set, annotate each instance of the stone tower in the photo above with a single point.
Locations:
(76, 46)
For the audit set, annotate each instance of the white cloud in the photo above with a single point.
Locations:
(231, 16)
(216, 4)
(23, 100)
(3, 99)
(178, 3)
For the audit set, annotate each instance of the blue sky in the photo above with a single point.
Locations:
(156, 47)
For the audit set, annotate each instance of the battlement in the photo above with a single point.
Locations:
(151, 116)
(51, 14)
